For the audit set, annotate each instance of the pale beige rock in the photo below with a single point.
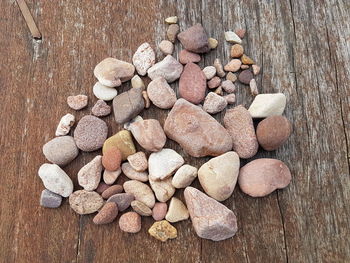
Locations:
(232, 37)
(137, 82)
(161, 94)
(126, 125)
(163, 189)
(219, 91)
(253, 87)
(214, 103)
(138, 161)
(134, 175)
(146, 99)
(219, 68)
(103, 92)
(166, 47)
(141, 191)
(230, 98)
(162, 230)
(177, 211)
(233, 66)
(85, 202)
(213, 43)
(169, 68)
(144, 58)
(77, 102)
(218, 176)
(231, 76)
(89, 176)
(228, 86)
(265, 105)
(209, 72)
(171, 20)
(61, 150)
(141, 208)
(184, 176)
(172, 32)
(66, 122)
(164, 163)
(109, 177)
(256, 69)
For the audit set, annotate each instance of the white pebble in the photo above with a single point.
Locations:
(166, 47)
(137, 82)
(184, 176)
(209, 72)
(171, 20)
(103, 92)
(66, 122)
(232, 37)
(265, 105)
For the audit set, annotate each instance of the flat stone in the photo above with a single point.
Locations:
(128, 105)
(228, 86)
(237, 51)
(109, 177)
(219, 68)
(89, 176)
(161, 94)
(55, 179)
(90, 133)
(61, 150)
(123, 200)
(66, 122)
(198, 133)
(142, 192)
(240, 32)
(184, 176)
(123, 141)
(186, 56)
(164, 163)
(144, 58)
(159, 211)
(101, 109)
(265, 105)
(232, 37)
(172, 32)
(112, 72)
(162, 230)
(210, 219)
(149, 134)
(141, 208)
(192, 84)
(106, 215)
(134, 175)
(163, 189)
(247, 60)
(137, 82)
(230, 98)
(239, 124)
(233, 66)
(245, 76)
(213, 43)
(112, 190)
(49, 199)
(262, 176)
(77, 102)
(194, 39)
(85, 202)
(214, 83)
(138, 161)
(104, 92)
(177, 211)
(218, 176)
(214, 103)
(166, 47)
(112, 159)
(169, 68)
(130, 222)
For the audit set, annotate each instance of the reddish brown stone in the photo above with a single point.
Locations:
(186, 56)
(112, 190)
(107, 214)
(245, 76)
(111, 159)
(195, 39)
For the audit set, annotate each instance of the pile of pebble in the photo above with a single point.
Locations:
(154, 179)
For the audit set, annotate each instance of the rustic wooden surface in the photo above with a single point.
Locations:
(304, 50)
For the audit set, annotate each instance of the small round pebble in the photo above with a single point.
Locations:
(159, 211)
(209, 72)
(237, 51)
(230, 98)
(141, 208)
(233, 66)
(186, 56)
(214, 103)
(214, 83)
(107, 214)
(245, 76)
(123, 200)
(138, 161)
(184, 176)
(49, 199)
(109, 177)
(228, 86)
(161, 94)
(130, 222)
(231, 76)
(61, 150)
(166, 47)
(256, 69)
(101, 109)
(213, 43)
(77, 102)
(171, 20)
(90, 133)
(172, 32)
(85, 202)
(112, 159)
(103, 92)
(112, 190)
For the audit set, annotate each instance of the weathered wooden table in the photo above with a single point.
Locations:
(304, 50)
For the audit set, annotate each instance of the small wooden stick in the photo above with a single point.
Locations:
(29, 19)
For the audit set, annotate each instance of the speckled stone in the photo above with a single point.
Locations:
(144, 58)
(186, 56)
(214, 103)
(194, 39)
(130, 222)
(169, 68)
(77, 102)
(61, 150)
(85, 202)
(106, 215)
(89, 176)
(159, 211)
(161, 94)
(101, 109)
(162, 230)
(138, 161)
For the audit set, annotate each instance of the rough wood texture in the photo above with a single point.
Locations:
(304, 50)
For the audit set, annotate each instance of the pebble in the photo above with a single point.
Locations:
(103, 92)
(149, 134)
(256, 69)
(253, 87)
(112, 190)
(240, 32)
(231, 76)
(232, 37)
(90, 133)
(172, 32)
(107, 214)
(244, 66)
(213, 43)
(195, 39)
(169, 68)
(111, 159)
(209, 72)
(134, 175)
(89, 176)
(162, 230)
(112, 72)
(161, 94)
(211, 219)
(245, 76)
(247, 60)
(123, 200)
(219, 91)
(130, 222)
(144, 58)
(233, 66)
(219, 68)
(102, 187)
(77, 102)
(237, 51)
(184, 176)
(141, 208)
(85, 202)
(214, 103)
(101, 109)
(126, 125)
(146, 99)
(61, 150)
(159, 211)
(218, 176)
(265, 105)
(138, 161)
(164, 163)
(55, 179)
(142, 192)
(171, 20)
(228, 86)
(262, 176)
(137, 82)
(123, 141)
(273, 132)
(66, 122)
(198, 133)
(166, 47)
(230, 98)
(109, 177)
(192, 84)
(49, 199)
(214, 82)
(186, 56)
(177, 211)
(163, 189)
(239, 124)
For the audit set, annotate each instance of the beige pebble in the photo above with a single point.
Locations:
(171, 20)
(237, 51)
(61, 150)
(231, 76)
(146, 99)
(256, 69)
(209, 72)
(66, 122)
(233, 66)
(214, 103)
(166, 47)
(232, 37)
(172, 32)
(141, 191)
(244, 67)
(141, 208)
(161, 94)
(219, 91)
(177, 211)
(77, 102)
(130, 222)
(132, 174)
(138, 161)
(162, 230)
(219, 68)
(230, 98)
(265, 105)
(144, 58)
(85, 202)
(159, 211)
(109, 177)
(89, 176)
(184, 176)
(137, 82)
(228, 86)
(213, 43)
(253, 87)
(214, 83)
(163, 189)
(168, 68)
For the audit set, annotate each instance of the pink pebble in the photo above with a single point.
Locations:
(159, 211)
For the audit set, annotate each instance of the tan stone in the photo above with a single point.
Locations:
(123, 141)
(162, 230)
(177, 211)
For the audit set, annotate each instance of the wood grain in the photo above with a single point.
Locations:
(304, 50)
